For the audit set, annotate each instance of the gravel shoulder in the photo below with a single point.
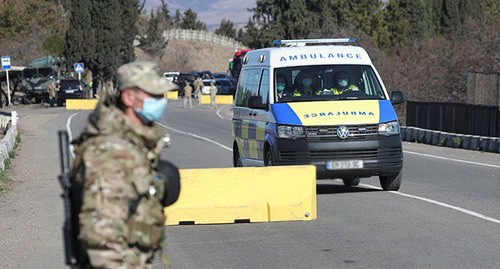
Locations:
(31, 210)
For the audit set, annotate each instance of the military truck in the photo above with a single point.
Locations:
(37, 77)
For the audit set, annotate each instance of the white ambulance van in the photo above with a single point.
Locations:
(320, 102)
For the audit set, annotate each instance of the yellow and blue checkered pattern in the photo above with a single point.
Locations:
(250, 136)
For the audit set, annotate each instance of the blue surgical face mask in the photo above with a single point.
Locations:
(280, 87)
(152, 109)
(307, 82)
(343, 82)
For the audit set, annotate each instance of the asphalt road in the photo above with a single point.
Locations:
(446, 214)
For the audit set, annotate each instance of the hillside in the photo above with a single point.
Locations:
(186, 56)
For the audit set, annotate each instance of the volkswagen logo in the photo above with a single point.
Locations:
(342, 132)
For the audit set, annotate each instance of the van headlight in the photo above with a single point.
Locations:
(291, 132)
(389, 128)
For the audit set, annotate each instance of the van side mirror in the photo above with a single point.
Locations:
(397, 97)
(256, 102)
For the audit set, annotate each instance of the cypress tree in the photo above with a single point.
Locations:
(456, 13)
(128, 30)
(397, 27)
(106, 24)
(79, 45)
(419, 15)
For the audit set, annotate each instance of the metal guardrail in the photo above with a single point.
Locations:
(454, 118)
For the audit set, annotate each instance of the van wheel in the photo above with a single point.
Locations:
(268, 160)
(351, 181)
(236, 158)
(392, 182)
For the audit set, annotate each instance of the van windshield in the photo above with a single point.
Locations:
(326, 82)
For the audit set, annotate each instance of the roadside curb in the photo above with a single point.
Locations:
(452, 140)
(8, 121)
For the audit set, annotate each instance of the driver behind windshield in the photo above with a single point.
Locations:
(305, 84)
(341, 82)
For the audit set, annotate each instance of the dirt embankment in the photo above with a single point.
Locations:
(186, 56)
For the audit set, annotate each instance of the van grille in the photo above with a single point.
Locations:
(330, 132)
(365, 154)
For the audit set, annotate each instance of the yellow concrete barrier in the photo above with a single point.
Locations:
(172, 95)
(253, 194)
(89, 104)
(81, 104)
(219, 99)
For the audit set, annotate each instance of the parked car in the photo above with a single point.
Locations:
(204, 74)
(69, 88)
(221, 75)
(206, 86)
(227, 86)
(171, 75)
(182, 78)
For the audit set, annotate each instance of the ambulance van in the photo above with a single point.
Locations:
(320, 102)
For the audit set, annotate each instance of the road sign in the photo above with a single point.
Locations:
(78, 68)
(6, 62)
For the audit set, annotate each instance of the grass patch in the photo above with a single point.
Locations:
(4, 180)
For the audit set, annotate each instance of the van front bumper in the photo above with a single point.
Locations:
(380, 156)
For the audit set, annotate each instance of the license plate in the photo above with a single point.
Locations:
(341, 165)
(70, 91)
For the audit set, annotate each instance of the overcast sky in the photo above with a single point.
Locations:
(211, 12)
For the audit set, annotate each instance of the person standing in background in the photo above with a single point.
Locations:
(188, 90)
(213, 94)
(198, 85)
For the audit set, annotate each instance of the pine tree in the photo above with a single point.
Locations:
(226, 28)
(177, 19)
(190, 21)
(251, 36)
(153, 42)
(164, 15)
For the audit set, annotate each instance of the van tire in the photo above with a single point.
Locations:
(236, 158)
(268, 159)
(392, 182)
(351, 181)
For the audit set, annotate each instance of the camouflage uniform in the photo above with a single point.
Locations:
(121, 216)
(213, 94)
(52, 92)
(188, 90)
(198, 85)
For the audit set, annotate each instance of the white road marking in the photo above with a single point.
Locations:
(70, 135)
(194, 135)
(450, 159)
(220, 115)
(459, 209)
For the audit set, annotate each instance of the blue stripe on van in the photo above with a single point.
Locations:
(387, 112)
(284, 114)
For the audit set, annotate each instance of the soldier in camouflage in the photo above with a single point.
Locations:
(121, 217)
(52, 89)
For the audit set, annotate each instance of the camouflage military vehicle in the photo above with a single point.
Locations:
(36, 78)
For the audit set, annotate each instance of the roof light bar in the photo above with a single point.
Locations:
(302, 42)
